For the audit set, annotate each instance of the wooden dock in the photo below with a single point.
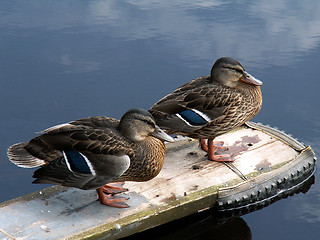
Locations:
(268, 165)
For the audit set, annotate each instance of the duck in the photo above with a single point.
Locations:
(96, 153)
(210, 106)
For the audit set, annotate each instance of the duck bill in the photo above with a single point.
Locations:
(159, 133)
(248, 78)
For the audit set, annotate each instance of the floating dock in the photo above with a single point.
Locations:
(269, 165)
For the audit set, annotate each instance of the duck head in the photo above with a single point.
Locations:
(137, 124)
(229, 72)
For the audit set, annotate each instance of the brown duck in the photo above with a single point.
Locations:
(209, 106)
(92, 152)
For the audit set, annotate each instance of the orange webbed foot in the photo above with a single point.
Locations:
(114, 188)
(111, 200)
(211, 147)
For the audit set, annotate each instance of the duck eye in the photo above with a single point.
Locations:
(235, 69)
(150, 123)
(239, 70)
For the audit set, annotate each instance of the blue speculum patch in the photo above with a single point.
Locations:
(193, 118)
(77, 162)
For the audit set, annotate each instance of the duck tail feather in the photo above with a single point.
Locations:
(21, 157)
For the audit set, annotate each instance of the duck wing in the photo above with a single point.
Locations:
(194, 105)
(84, 123)
(86, 153)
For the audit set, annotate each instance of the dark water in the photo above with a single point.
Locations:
(64, 60)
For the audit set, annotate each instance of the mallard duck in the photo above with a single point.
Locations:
(209, 106)
(93, 152)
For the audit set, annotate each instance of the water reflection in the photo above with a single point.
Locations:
(308, 211)
(278, 30)
(240, 231)
(260, 33)
(275, 35)
(199, 227)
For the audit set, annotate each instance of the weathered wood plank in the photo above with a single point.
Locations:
(187, 184)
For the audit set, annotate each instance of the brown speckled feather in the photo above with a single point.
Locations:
(101, 139)
(147, 161)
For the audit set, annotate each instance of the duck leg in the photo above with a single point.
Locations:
(114, 187)
(115, 201)
(211, 147)
(217, 144)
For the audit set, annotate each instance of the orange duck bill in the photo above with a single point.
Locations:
(248, 78)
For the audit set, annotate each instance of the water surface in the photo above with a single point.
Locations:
(64, 60)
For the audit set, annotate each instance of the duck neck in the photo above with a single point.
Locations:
(250, 90)
(253, 94)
